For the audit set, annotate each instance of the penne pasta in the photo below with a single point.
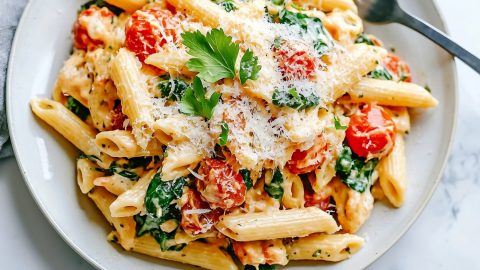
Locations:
(122, 143)
(392, 173)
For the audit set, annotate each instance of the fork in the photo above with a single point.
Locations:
(388, 11)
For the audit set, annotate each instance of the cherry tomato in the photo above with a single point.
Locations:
(315, 199)
(148, 30)
(197, 216)
(221, 186)
(118, 118)
(81, 38)
(398, 67)
(310, 159)
(371, 132)
(294, 61)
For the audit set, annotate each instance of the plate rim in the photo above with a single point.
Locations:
(12, 55)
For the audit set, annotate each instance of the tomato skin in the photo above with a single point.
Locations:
(294, 61)
(221, 186)
(81, 39)
(371, 132)
(307, 161)
(195, 224)
(118, 118)
(315, 199)
(398, 67)
(148, 30)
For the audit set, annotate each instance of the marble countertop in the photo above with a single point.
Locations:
(444, 236)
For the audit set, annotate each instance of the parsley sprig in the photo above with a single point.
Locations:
(215, 55)
(194, 102)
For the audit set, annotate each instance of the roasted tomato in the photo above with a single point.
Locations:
(310, 159)
(197, 216)
(371, 132)
(261, 252)
(118, 118)
(148, 30)
(398, 67)
(91, 18)
(221, 186)
(315, 199)
(295, 61)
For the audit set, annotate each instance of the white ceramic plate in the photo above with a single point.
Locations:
(43, 42)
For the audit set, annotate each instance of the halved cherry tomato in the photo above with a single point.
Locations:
(294, 61)
(371, 132)
(221, 186)
(197, 216)
(310, 159)
(148, 30)
(398, 67)
(81, 38)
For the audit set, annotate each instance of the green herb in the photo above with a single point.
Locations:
(90, 157)
(363, 38)
(214, 55)
(278, 2)
(249, 67)
(338, 125)
(101, 3)
(77, 108)
(355, 171)
(116, 169)
(380, 73)
(195, 103)
(277, 42)
(172, 89)
(224, 135)
(160, 208)
(312, 26)
(275, 188)
(428, 89)
(291, 98)
(228, 5)
(246, 178)
(317, 253)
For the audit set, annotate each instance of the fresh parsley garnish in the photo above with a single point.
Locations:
(249, 67)
(246, 178)
(338, 125)
(194, 102)
(380, 73)
(355, 171)
(214, 54)
(77, 108)
(172, 89)
(102, 3)
(364, 38)
(291, 98)
(160, 207)
(224, 135)
(311, 26)
(275, 188)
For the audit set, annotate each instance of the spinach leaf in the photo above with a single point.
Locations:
(380, 73)
(77, 108)
(246, 178)
(102, 3)
(160, 208)
(355, 171)
(275, 188)
(172, 89)
(363, 38)
(309, 25)
(90, 157)
(291, 98)
(224, 135)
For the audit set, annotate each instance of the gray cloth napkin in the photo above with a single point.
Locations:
(10, 12)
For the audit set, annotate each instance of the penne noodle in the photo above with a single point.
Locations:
(122, 143)
(392, 173)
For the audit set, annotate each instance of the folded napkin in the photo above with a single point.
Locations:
(10, 12)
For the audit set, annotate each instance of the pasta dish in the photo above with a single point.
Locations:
(234, 134)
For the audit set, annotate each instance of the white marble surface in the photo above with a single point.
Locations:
(444, 237)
